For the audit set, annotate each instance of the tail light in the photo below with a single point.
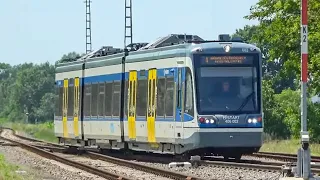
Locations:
(206, 120)
(255, 120)
(202, 120)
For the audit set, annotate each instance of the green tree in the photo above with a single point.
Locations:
(274, 121)
(72, 56)
(288, 109)
(30, 85)
(279, 26)
(278, 37)
(29, 88)
(46, 109)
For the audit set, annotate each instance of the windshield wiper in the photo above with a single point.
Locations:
(245, 101)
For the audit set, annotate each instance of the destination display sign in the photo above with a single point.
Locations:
(225, 60)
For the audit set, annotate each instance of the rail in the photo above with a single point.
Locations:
(283, 156)
(58, 148)
(248, 164)
(48, 155)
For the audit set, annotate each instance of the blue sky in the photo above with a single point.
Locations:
(43, 30)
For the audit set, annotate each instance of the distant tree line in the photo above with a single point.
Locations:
(30, 87)
(278, 36)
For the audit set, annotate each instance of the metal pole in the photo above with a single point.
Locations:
(88, 27)
(27, 120)
(304, 63)
(305, 169)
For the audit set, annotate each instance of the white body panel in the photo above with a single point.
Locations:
(102, 129)
(165, 131)
(58, 125)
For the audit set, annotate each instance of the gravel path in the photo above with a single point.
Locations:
(35, 167)
(204, 171)
(8, 134)
(260, 159)
(214, 172)
(121, 170)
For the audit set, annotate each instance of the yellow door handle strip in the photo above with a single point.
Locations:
(65, 108)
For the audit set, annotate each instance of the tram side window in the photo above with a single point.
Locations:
(126, 100)
(108, 99)
(149, 95)
(59, 101)
(169, 96)
(134, 89)
(70, 97)
(142, 97)
(101, 101)
(188, 103)
(80, 98)
(161, 90)
(94, 100)
(116, 99)
(87, 100)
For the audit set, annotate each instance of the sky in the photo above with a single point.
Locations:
(43, 30)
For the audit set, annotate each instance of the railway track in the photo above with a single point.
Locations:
(46, 151)
(258, 165)
(284, 157)
(75, 164)
(41, 147)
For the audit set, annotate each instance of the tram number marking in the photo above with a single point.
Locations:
(304, 38)
(245, 50)
(304, 33)
(229, 121)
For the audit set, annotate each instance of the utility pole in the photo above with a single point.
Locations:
(88, 27)
(303, 164)
(127, 23)
(127, 27)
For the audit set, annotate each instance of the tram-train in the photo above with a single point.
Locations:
(178, 95)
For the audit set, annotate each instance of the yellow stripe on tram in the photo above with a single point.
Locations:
(132, 104)
(65, 108)
(76, 106)
(151, 105)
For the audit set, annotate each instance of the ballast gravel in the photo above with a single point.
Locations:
(56, 170)
(33, 166)
(260, 159)
(216, 172)
(121, 170)
(47, 169)
(8, 134)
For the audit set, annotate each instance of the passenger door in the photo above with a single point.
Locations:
(151, 108)
(76, 107)
(132, 96)
(179, 115)
(65, 108)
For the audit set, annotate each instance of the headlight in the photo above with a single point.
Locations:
(206, 120)
(211, 121)
(254, 120)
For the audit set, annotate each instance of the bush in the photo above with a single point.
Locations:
(7, 171)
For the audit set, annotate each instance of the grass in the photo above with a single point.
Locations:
(288, 146)
(44, 131)
(8, 171)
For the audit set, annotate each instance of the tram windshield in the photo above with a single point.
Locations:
(227, 89)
